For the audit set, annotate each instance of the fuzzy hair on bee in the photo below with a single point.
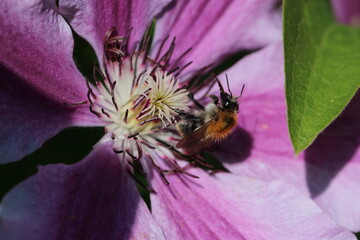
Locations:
(213, 123)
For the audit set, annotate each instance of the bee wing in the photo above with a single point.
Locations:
(195, 141)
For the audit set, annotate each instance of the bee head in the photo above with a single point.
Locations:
(228, 102)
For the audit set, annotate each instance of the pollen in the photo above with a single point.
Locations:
(165, 97)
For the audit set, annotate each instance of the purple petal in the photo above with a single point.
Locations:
(38, 78)
(215, 29)
(92, 19)
(226, 206)
(347, 11)
(260, 147)
(28, 118)
(38, 49)
(26, 125)
(93, 199)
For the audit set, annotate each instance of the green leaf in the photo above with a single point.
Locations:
(322, 68)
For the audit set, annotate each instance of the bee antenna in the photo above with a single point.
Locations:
(219, 83)
(242, 90)
(227, 83)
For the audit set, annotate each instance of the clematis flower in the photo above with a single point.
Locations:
(139, 89)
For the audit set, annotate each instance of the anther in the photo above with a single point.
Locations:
(155, 67)
(146, 49)
(149, 120)
(178, 169)
(133, 135)
(89, 95)
(213, 172)
(114, 40)
(201, 162)
(173, 70)
(126, 115)
(75, 104)
(158, 63)
(117, 151)
(107, 75)
(113, 86)
(103, 111)
(109, 33)
(144, 110)
(169, 53)
(131, 155)
(116, 51)
(139, 149)
(139, 100)
(190, 175)
(208, 90)
(145, 38)
(138, 78)
(94, 112)
(197, 78)
(181, 56)
(96, 71)
(126, 40)
(160, 171)
(148, 145)
(114, 102)
(132, 55)
(161, 46)
(90, 91)
(182, 68)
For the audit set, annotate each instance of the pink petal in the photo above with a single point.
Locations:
(226, 206)
(216, 29)
(38, 78)
(260, 147)
(92, 19)
(347, 11)
(92, 199)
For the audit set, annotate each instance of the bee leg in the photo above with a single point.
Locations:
(215, 99)
(191, 97)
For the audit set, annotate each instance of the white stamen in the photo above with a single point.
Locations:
(133, 109)
(165, 97)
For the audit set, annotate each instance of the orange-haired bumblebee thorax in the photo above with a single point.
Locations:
(222, 126)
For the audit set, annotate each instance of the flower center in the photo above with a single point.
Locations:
(138, 101)
(132, 103)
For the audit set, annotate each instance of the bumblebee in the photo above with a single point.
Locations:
(209, 124)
